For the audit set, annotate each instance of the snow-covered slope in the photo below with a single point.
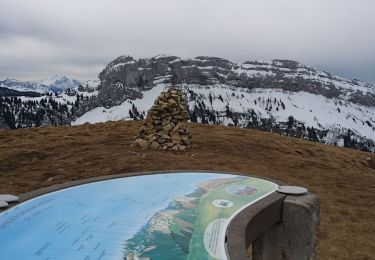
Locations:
(280, 96)
(123, 111)
(223, 104)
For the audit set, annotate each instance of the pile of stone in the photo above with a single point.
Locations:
(166, 126)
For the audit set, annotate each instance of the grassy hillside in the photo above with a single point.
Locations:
(344, 179)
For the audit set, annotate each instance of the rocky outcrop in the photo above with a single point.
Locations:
(166, 123)
(125, 78)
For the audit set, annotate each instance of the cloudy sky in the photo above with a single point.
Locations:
(78, 38)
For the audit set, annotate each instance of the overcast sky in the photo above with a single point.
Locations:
(78, 38)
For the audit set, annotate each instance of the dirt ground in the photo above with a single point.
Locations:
(344, 179)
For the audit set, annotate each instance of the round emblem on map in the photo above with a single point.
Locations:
(222, 203)
(242, 190)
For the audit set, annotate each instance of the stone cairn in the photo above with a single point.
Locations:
(166, 127)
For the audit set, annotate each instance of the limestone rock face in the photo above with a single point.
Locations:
(166, 126)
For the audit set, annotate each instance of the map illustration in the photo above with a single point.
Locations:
(161, 216)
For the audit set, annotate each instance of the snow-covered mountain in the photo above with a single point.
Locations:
(281, 96)
(56, 84)
(20, 109)
(59, 83)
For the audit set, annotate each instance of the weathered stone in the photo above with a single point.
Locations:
(296, 237)
(178, 117)
(176, 128)
(172, 101)
(165, 126)
(141, 142)
(176, 136)
(164, 104)
(175, 112)
(166, 137)
(155, 145)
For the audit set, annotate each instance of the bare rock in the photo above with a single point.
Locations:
(155, 145)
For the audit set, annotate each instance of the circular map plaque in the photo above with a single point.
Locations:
(160, 216)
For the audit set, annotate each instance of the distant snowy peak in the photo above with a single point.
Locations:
(23, 86)
(59, 83)
(56, 84)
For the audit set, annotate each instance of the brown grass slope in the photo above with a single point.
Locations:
(343, 179)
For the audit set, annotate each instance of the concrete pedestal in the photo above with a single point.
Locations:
(296, 237)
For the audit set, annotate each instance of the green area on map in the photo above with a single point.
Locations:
(192, 226)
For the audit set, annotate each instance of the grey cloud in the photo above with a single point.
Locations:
(78, 38)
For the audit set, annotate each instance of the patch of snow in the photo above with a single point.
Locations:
(324, 111)
(121, 112)
(174, 61)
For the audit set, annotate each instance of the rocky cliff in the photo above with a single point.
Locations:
(280, 96)
(124, 78)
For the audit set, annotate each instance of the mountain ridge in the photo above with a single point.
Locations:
(282, 96)
(285, 74)
(56, 84)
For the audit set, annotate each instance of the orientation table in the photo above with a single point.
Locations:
(181, 215)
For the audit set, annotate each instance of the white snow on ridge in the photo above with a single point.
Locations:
(174, 61)
(93, 84)
(252, 73)
(314, 110)
(56, 83)
(265, 69)
(20, 86)
(59, 81)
